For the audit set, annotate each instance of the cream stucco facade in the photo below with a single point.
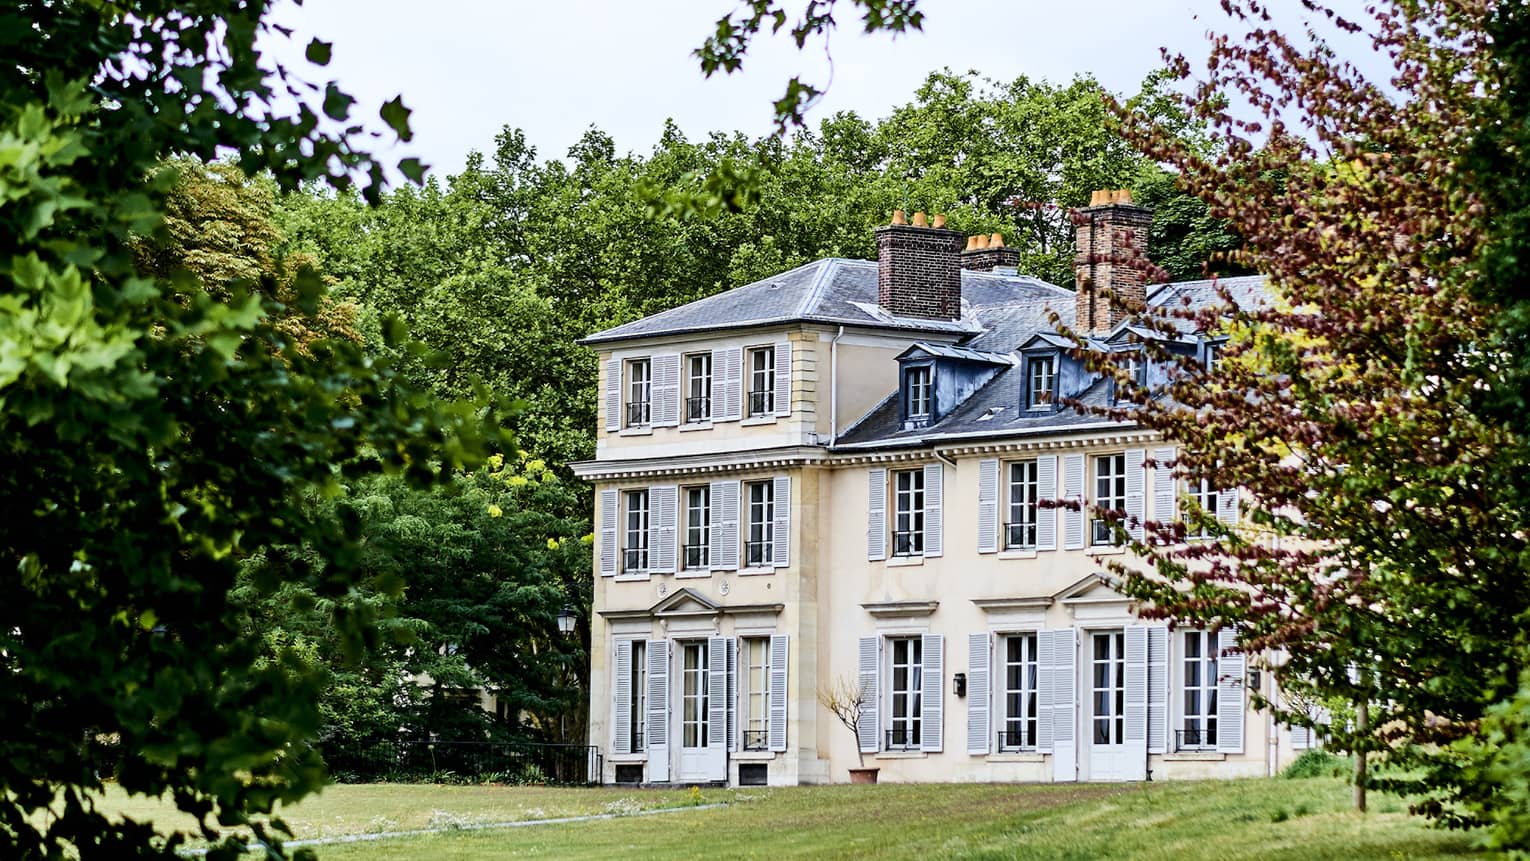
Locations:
(833, 479)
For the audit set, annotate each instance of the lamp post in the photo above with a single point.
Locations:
(566, 620)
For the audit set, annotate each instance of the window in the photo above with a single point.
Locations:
(698, 528)
(1134, 365)
(1205, 496)
(698, 387)
(756, 692)
(1041, 381)
(638, 697)
(1108, 681)
(1024, 489)
(1019, 732)
(762, 381)
(1214, 356)
(1199, 729)
(759, 544)
(907, 684)
(639, 392)
(908, 525)
(635, 552)
(693, 695)
(919, 392)
(1109, 493)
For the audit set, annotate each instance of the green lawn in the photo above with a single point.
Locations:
(1247, 819)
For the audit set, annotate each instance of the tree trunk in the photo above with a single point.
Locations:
(1362, 726)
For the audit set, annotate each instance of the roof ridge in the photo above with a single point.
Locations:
(820, 286)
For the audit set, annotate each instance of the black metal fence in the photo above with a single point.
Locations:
(406, 760)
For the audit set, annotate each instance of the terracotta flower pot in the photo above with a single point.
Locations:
(863, 775)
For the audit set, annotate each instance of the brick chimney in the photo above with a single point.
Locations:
(985, 252)
(919, 272)
(1112, 256)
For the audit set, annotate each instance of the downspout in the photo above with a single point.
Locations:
(1272, 730)
(941, 456)
(834, 386)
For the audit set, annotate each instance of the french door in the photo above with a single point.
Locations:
(1108, 757)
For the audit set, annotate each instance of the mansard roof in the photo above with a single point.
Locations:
(835, 291)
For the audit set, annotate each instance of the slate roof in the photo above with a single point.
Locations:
(1001, 311)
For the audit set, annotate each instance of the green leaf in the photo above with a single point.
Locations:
(318, 52)
(397, 117)
(412, 168)
(337, 103)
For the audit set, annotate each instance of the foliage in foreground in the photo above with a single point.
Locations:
(156, 427)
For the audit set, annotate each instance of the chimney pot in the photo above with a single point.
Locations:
(920, 220)
(996, 241)
(898, 217)
(940, 220)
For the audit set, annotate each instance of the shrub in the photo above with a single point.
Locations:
(1318, 763)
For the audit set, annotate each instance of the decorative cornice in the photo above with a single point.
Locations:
(900, 609)
(720, 610)
(1001, 604)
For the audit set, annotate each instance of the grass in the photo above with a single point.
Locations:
(1265, 820)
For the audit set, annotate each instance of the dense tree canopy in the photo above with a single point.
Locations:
(155, 429)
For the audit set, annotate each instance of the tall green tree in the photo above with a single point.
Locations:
(156, 429)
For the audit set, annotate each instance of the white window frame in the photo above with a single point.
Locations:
(908, 512)
(911, 697)
(698, 528)
(636, 519)
(1197, 727)
(762, 381)
(921, 399)
(1109, 493)
(698, 386)
(1041, 381)
(694, 693)
(1214, 356)
(760, 537)
(1019, 695)
(1205, 496)
(1112, 685)
(1021, 509)
(638, 696)
(639, 393)
(756, 692)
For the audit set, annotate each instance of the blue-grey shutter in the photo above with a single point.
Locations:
(1158, 689)
(717, 692)
(1136, 482)
(1046, 488)
(777, 727)
(932, 689)
(934, 517)
(783, 380)
(732, 694)
(613, 395)
(876, 516)
(1231, 668)
(664, 518)
(656, 729)
(1044, 661)
(979, 695)
(725, 513)
(1301, 737)
(869, 686)
(610, 513)
(621, 714)
(1227, 506)
(781, 530)
(988, 506)
(1165, 493)
(666, 390)
(1135, 683)
(1073, 491)
(1064, 683)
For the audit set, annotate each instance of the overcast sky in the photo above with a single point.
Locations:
(469, 68)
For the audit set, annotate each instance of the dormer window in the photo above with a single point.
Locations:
(919, 394)
(1041, 381)
(1214, 355)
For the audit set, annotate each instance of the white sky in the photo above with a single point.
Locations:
(470, 67)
